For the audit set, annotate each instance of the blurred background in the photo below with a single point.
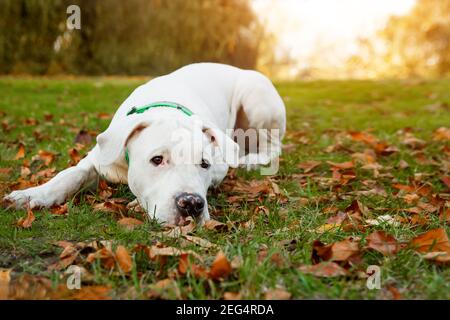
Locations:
(285, 39)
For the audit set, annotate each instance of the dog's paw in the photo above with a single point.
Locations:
(37, 197)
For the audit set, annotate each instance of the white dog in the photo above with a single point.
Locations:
(170, 141)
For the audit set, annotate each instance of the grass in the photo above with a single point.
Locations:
(318, 110)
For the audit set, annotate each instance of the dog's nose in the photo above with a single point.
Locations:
(190, 204)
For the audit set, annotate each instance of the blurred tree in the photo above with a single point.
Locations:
(127, 37)
(414, 45)
(28, 31)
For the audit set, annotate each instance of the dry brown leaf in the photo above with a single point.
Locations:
(5, 172)
(231, 295)
(129, 223)
(324, 269)
(442, 134)
(363, 137)
(83, 137)
(5, 278)
(105, 255)
(28, 220)
(60, 209)
(20, 152)
(185, 266)
(92, 293)
(124, 259)
(308, 165)
(342, 165)
(434, 244)
(446, 181)
(220, 268)
(339, 251)
(200, 241)
(384, 243)
(216, 225)
(277, 294)
(111, 206)
(75, 156)
(46, 156)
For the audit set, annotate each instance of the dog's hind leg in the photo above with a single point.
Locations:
(261, 116)
(58, 189)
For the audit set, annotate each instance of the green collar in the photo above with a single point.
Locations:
(161, 104)
(166, 104)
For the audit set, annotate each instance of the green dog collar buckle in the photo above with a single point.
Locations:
(165, 104)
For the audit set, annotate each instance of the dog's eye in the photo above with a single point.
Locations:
(157, 160)
(205, 164)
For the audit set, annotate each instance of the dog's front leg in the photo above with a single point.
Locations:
(58, 189)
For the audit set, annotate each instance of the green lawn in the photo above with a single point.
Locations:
(319, 115)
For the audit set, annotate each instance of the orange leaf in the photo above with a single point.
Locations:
(92, 293)
(220, 268)
(129, 223)
(324, 269)
(338, 251)
(308, 165)
(342, 165)
(215, 225)
(382, 242)
(435, 240)
(123, 259)
(21, 152)
(60, 209)
(26, 222)
(277, 294)
(231, 296)
(46, 156)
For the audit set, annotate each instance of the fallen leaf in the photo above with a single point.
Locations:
(74, 155)
(123, 259)
(106, 257)
(446, 181)
(220, 268)
(60, 209)
(185, 266)
(442, 134)
(308, 165)
(382, 242)
(215, 225)
(362, 136)
(199, 241)
(277, 294)
(5, 278)
(129, 223)
(231, 295)
(28, 220)
(83, 137)
(46, 156)
(111, 206)
(21, 152)
(434, 244)
(324, 269)
(92, 293)
(339, 251)
(342, 165)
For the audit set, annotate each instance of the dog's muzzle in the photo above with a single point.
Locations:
(190, 204)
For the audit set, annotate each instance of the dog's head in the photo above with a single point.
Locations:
(173, 159)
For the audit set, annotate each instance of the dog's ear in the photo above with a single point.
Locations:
(226, 145)
(113, 140)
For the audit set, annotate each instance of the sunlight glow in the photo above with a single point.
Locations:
(328, 30)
